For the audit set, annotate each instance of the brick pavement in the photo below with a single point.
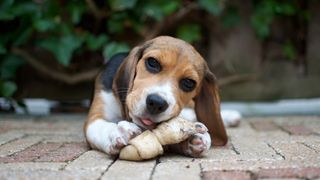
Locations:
(261, 148)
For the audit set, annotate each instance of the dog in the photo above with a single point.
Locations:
(163, 78)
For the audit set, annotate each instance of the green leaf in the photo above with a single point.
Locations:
(26, 8)
(94, 42)
(261, 24)
(8, 88)
(169, 7)
(122, 4)
(153, 11)
(3, 50)
(289, 51)
(6, 4)
(189, 32)
(212, 6)
(23, 36)
(115, 22)
(44, 25)
(76, 10)
(231, 17)
(62, 48)
(285, 8)
(9, 66)
(114, 48)
(5, 10)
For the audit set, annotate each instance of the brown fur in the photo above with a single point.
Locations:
(96, 109)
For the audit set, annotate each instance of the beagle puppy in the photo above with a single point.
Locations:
(158, 80)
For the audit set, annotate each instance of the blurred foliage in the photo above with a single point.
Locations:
(64, 28)
(266, 11)
(189, 32)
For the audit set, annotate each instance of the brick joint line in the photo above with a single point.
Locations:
(310, 147)
(278, 153)
(154, 168)
(235, 149)
(15, 139)
(23, 149)
(16, 153)
(101, 175)
(201, 171)
(68, 162)
(281, 128)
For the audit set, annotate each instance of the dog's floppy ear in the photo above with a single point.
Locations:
(207, 106)
(123, 80)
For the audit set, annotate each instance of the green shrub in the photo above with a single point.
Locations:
(68, 27)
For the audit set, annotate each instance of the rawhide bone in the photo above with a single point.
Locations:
(149, 144)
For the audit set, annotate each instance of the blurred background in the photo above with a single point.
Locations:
(260, 50)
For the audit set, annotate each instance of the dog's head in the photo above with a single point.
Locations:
(161, 77)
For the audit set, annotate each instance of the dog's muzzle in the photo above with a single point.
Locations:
(156, 104)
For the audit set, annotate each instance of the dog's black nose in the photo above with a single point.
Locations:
(156, 104)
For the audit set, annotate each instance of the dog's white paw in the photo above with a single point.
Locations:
(198, 144)
(231, 118)
(121, 136)
(111, 137)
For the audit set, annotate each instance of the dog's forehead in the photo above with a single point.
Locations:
(177, 48)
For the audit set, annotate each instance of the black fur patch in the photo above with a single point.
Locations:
(111, 69)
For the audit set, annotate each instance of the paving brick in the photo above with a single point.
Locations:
(224, 153)
(250, 149)
(296, 120)
(177, 170)
(31, 153)
(315, 145)
(28, 124)
(250, 165)
(30, 166)
(91, 160)
(313, 125)
(259, 146)
(40, 132)
(264, 126)
(292, 139)
(226, 175)
(267, 136)
(308, 173)
(49, 175)
(66, 152)
(64, 118)
(229, 166)
(18, 145)
(54, 138)
(130, 170)
(3, 130)
(295, 151)
(297, 129)
(45, 127)
(9, 136)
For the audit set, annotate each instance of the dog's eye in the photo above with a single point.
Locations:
(187, 84)
(152, 65)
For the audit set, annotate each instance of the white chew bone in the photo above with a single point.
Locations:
(149, 144)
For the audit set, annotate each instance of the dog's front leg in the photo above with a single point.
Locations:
(110, 137)
(103, 129)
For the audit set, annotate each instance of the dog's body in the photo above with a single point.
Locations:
(162, 79)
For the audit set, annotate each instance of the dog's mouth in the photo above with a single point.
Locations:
(147, 122)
